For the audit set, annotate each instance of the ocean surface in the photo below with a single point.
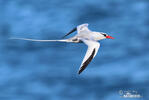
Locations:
(48, 70)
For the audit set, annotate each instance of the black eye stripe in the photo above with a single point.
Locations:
(104, 34)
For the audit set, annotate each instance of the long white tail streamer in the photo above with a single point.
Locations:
(64, 40)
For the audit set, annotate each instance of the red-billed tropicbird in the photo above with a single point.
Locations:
(84, 35)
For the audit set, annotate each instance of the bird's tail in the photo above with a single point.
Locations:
(34, 40)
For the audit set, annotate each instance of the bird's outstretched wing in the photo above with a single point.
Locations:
(92, 50)
(73, 30)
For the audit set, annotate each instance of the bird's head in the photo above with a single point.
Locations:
(106, 36)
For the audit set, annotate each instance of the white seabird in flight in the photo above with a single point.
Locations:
(84, 35)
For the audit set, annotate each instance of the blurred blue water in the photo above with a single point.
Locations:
(48, 71)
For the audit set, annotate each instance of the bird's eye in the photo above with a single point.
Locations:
(105, 35)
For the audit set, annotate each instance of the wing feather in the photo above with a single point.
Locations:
(73, 30)
(92, 50)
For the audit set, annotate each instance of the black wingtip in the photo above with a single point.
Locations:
(85, 64)
(73, 30)
(79, 72)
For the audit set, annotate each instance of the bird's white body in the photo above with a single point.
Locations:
(85, 33)
(86, 36)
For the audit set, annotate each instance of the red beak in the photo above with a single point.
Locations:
(109, 37)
